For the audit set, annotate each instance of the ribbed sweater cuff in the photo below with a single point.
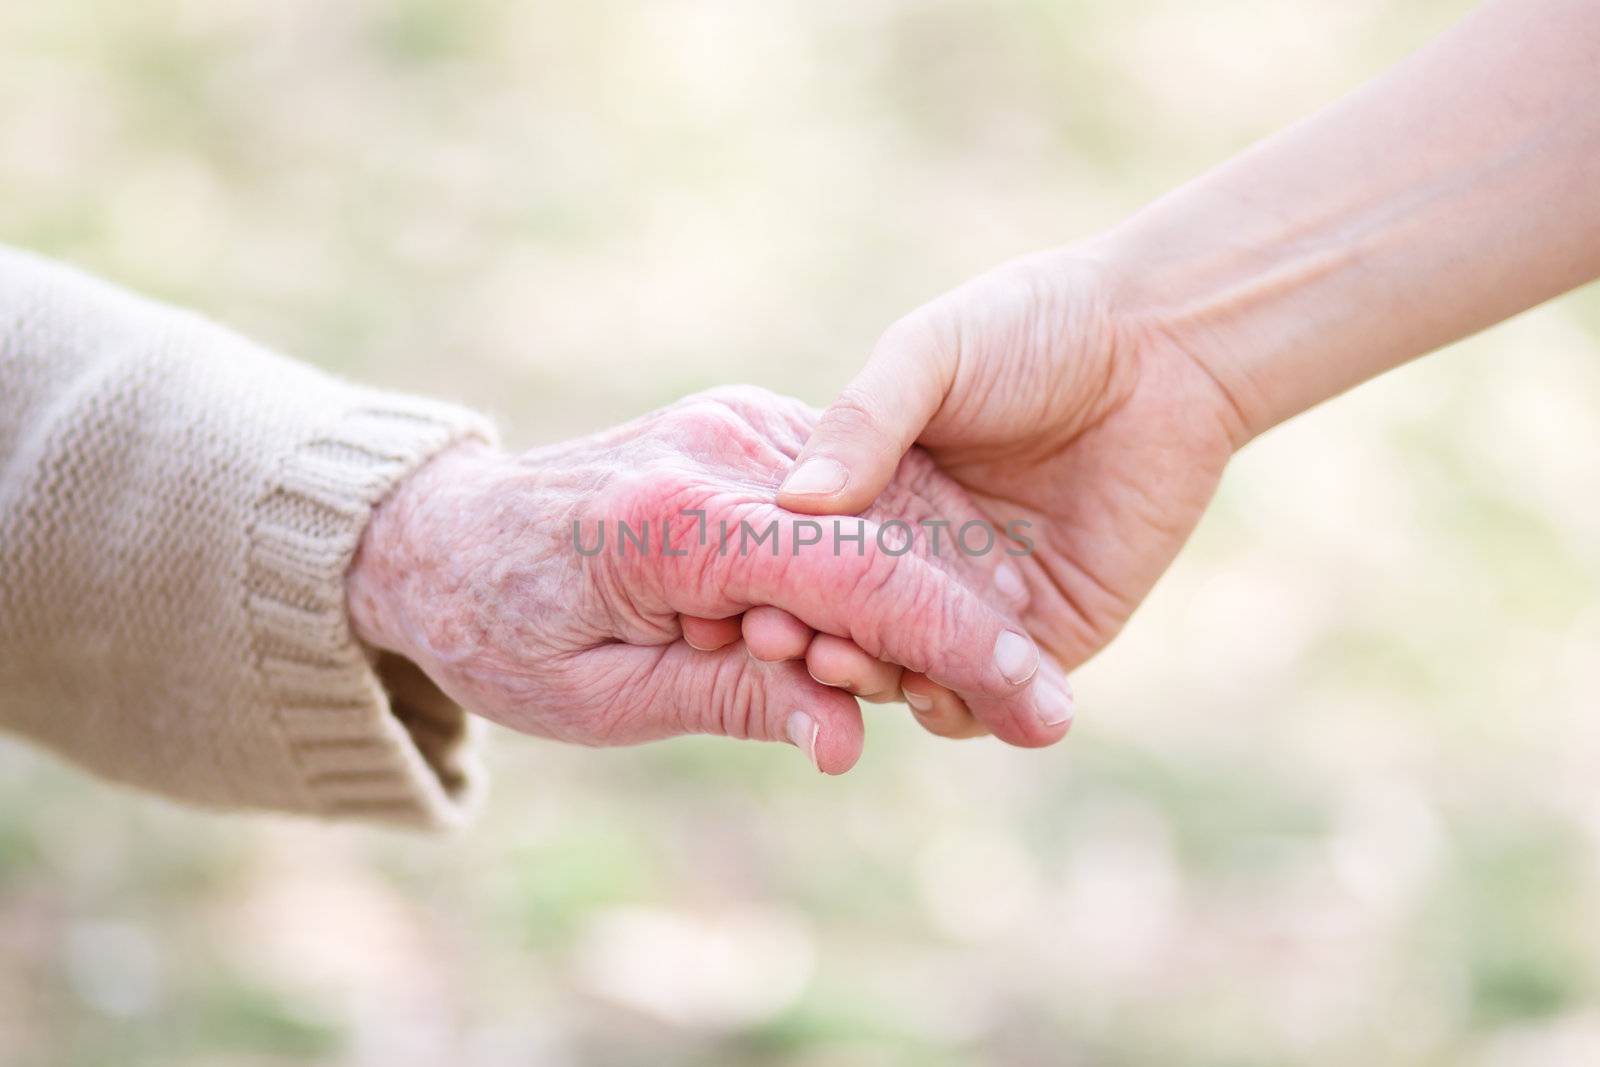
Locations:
(369, 735)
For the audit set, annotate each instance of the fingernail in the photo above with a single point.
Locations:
(1008, 583)
(816, 477)
(1053, 702)
(1016, 657)
(802, 730)
(920, 701)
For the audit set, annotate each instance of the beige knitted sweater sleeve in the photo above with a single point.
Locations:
(177, 511)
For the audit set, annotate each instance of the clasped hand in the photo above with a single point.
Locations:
(589, 592)
(643, 583)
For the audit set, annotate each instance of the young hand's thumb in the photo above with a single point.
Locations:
(853, 452)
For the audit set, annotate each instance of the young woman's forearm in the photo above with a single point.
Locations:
(1457, 190)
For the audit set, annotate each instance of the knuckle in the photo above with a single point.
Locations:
(737, 553)
(931, 331)
(701, 426)
(739, 397)
(659, 496)
(654, 531)
(737, 702)
(941, 615)
(886, 598)
(746, 418)
(854, 415)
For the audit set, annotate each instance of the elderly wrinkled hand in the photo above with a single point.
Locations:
(595, 591)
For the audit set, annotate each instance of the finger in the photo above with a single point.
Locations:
(939, 710)
(675, 689)
(903, 609)
(837, 662)
(774, 635)
(708, 635)
(856, 446)
(952, 531)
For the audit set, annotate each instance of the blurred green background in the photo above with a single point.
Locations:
(1332, 799)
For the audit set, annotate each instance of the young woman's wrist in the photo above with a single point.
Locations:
(1159, 316)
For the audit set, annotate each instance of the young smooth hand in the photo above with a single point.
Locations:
(1099, 390)
(1026, 387)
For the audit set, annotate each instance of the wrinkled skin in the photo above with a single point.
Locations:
(1038, 396)
(471, 571)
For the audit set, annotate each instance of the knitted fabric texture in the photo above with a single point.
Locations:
(178, 508)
